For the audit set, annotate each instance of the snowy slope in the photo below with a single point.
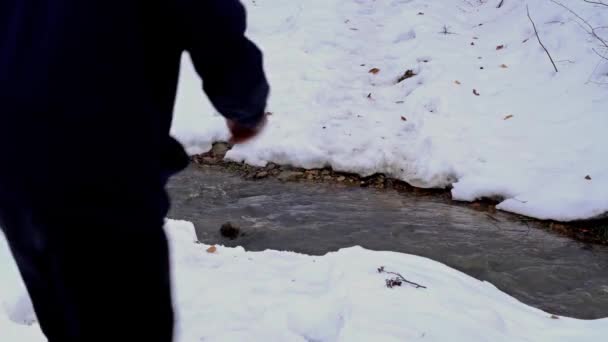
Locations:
(429, 130)
(233, 295)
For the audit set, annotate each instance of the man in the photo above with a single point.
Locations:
(86, 94)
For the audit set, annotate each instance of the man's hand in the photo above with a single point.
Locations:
(241, 134)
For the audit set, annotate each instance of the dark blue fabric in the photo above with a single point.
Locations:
(87, 88)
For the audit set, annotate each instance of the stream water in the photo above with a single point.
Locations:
(536, 266)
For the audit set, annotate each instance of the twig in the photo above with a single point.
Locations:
(400, 278)
(599, 54)
(596, 2)
(591, 30)
(538, 37)
(500, 3)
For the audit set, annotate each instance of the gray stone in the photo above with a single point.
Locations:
(290, 176)
(220, 149)
(262, 174)
(230, 231)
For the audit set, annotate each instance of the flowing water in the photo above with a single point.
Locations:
(536, 266)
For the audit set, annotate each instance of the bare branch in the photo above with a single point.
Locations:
(591, 30)
(538, 37)
(599, 54)
(596, 2)
(397, 281)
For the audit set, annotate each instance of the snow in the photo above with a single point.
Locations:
(318, 54)
(234, 295)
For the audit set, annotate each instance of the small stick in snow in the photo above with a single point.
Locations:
(599, 54)
(596, 2)
(538, 37)
(390, 283)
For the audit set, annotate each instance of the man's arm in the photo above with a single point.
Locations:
(230, 65)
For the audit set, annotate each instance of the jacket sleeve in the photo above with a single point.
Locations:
(230, 65)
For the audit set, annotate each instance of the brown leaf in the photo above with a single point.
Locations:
(374, 71)
(212, 249)
(504, 66)
(475, 92)
(588, 177)
(500, 47)
(403, 118)
(407, 74)
(508, 117)
(457, 82)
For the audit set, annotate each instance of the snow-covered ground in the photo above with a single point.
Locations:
(234, 295)
(531, 137)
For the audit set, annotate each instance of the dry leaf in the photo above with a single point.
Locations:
(212, 249)
(508, 117)
(475, 92)
(588, 177)
(403, 118)
(374, 71)
(457, 82)
(504, 66)
(420, 13)
(500, 47)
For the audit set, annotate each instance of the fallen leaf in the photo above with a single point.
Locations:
(403, 118)
(406, 75)
(504, 66)
(475, 92)
(457, 82)
(420, 13)
(212, 249)
(508, 117)
(588, 177)
(554, 317)
(472, 43)
(374, 71)
(500, 47)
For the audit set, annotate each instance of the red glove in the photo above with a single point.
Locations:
(242, 134)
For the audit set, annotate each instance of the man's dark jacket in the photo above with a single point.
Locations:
(87, 89)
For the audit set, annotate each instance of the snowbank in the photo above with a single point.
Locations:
(234, 295)
(530, 137)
